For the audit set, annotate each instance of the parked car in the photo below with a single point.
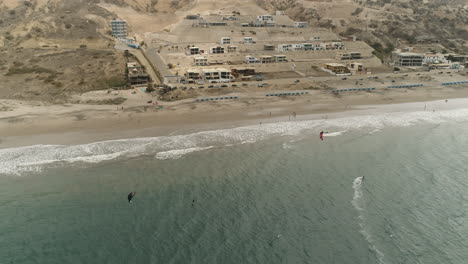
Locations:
(244, 84)
(234, 85)
(210, 86)
(224, 86)
(201, 87)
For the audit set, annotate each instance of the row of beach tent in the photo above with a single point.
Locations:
(284, 94)
(216, 98)
(450, 83)
(406, 85)
(352, 89)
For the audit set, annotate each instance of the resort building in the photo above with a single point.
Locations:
(119, 28)
(407, 59)
(434, 59)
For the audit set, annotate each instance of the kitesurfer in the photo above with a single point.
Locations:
(321, 135)
(130, 196)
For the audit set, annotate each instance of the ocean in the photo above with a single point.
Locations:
(378, 189)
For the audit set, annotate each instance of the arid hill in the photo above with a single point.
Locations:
(53, 48)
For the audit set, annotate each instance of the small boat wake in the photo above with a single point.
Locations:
(358, 204)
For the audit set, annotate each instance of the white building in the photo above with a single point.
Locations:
(434, 59)
(225, 40)
(248, 40)
(200, 61)
(297, 47)
(119, 28)
(265, 18)
(280, 58)
(217, 75)
(285, 47)
(250, 59)
(301, 24)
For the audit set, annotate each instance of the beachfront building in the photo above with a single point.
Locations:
(336, 68)
(136, 74)
(194, 50)
(225, 40)
(434, 59)
(280, 58)
(301, 24)
(217, 75)
(119, 28)
(217, 50)
(200, 61)
(407, 59)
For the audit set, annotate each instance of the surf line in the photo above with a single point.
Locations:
(358, 204)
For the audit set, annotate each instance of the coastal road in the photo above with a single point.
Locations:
(158, 62)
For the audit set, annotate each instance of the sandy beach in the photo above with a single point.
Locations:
(28, 123)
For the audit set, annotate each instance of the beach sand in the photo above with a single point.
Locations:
(27, 123)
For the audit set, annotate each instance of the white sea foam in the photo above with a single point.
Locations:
(177, 153)
(32, 158)
(359, 206)
(334, 134)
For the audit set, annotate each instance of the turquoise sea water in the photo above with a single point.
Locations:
(263, 194)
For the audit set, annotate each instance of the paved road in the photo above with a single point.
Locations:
(158, 62)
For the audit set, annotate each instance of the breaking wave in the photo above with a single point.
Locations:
(359, 206)
(15, 161)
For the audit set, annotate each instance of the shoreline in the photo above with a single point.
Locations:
(102, 123)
